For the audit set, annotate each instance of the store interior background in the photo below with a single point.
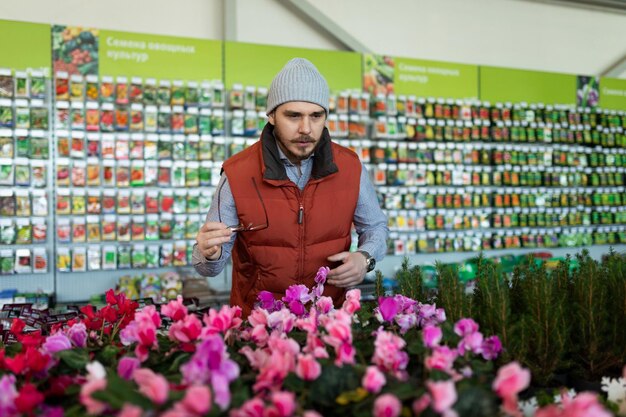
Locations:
(552, 36)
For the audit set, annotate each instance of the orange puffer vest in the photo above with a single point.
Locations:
(305, 227)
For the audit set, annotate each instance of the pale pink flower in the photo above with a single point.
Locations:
(130, 410)
(282, 320)
(175, 309)
(258, 317)
(222, 321)
(308, 368)
(8, 394)
(152, 385)
(352, 303)
(254, 407)
(431, 335)
(421, 404)
(257, 358)
(387, 405)
(373, 380)
(324, 304)
(510, 381)
(442, 359)
(94, 407)
(56, 343)
(197, 400)
(284, 403)
(185, 330)
(388, 353)
(585, 404)
(472, 342)
(311, 413)
(443, 394)
(78, 334)
(259, 335)
(464, 327)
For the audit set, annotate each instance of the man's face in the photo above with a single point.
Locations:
(298, 127)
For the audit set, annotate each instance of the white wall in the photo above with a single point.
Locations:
(508, 33)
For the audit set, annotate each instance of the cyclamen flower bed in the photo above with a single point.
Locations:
(298, 356)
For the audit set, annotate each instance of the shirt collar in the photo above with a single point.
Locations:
(286, 160)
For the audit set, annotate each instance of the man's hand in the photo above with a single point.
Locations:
(351, 272)
(211, 237)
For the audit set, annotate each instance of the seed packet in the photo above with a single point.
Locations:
(78, 173)
(192, 226)
(166, 201)
(179, 227)
(39, 203)
(192, 174)
(138, 229)
(191, 120)
(151, 173)
(8, 232)
(136, 90)
(150, 92)
(107, 89)
(40, 261)
(23, 143)
(62, 86)
(122, 115)
(164, 94)
(6, 262)
(205, 94)
(79, 231)
(123, 257)
(94, 204)
(236, 126)
(107, 117)
(192, 147)
(250, 124)
(122, 173)
(137, 202)
(77, 116)
(178, 147)
(178, 174)
(123, 228)
(217, 122)
(164, 119)
(109, 228)
(93, 172)
(152, 202)
(204, 173)
(122, 147)
(177, 120)
(152, 227)
(92, 90)
(39, 230)
(92, 116)
(37, 85)
(204, 122)
(165, 174)
(261, 99)
(7, 148)
(108, 202)
(218, 149)
(78, 145)
(205, 152)
(22, 172)
(193, 197)
(191, 94)
(138, 256)
(22, 114)
(77, 88)
(151, 119)
(63, 201)
(64, 260)
(22, 203)
(123, 202)
(236, 97)
(79, 203)
(39, 145)
(137, 173)
(177, 93)
(150, 147)
(180, 253)
(152, 256)
(6, 113)
(165, 226)
(109, 257)
(79, 259)
(121, 90)
(93, 229)
(249, 99)
(108, 173)
(180, 201)
(204, 202)
(23, 261)
(136, 117)
(93, 258)
(218, 94)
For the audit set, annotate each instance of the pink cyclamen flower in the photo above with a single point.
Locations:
(175, 309)
(492, 347)
(197, 400)
(373, 380)
(442, 359)
(431, 335)
(324, 305)
(186, 330)
(472, 342)
(8, 394)
(152, 385)
(126, 366)
(421, 404)
(56, 343)
(284, 403)
(130, 410)
(464, 327)
(311, 413)
(388, 308)
(387, 405)
(585, 404)
(78, 334)
(254, 407)
(353, 301)
(443, 394)
(267, 302)
(222, 321)
(510, 381)
(308, 368)
(93, 407)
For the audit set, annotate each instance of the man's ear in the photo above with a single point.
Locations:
(272, 118)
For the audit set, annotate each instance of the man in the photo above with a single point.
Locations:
(284, 207)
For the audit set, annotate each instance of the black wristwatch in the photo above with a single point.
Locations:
(371, 262)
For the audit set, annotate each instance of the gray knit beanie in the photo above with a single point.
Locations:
(299, 80)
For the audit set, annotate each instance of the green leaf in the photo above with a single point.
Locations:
(331, 383)
(120, 391)
(74, 358)
(108, 355)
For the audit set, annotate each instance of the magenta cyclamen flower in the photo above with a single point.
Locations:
(492, 347)
(56, 343)
(464, 327)
(211, 364)
(127, 366)
(296, 297)
(175, 309)
(268, 302)
(78, 335)
(388, 308)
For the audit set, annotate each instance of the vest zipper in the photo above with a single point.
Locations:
(300, 214)
(300, 235)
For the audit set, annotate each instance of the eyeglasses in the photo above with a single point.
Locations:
(251, 227)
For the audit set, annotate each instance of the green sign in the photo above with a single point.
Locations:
(256, 65)
(613, 93)
(24, 45)
(512, 85)
(426, 78)
(162, 57)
